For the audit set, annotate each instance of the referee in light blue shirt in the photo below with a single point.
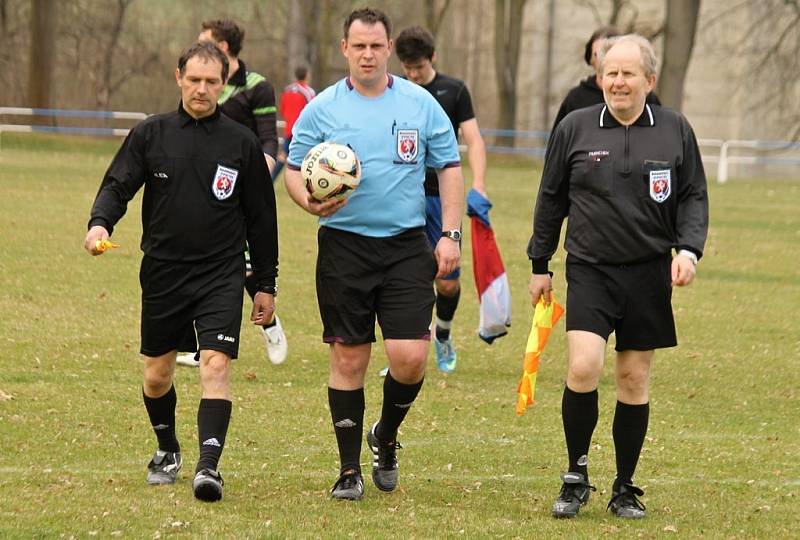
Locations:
(374, 259)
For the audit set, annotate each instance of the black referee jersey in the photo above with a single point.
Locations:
(631, 193)
(454, 98)
(206, 191)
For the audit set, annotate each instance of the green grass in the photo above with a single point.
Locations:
(720, 460)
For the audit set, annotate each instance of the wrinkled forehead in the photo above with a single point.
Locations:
(625, 54)
(361, 32)
(201, 66)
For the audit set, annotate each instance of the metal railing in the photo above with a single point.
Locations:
(722, 157)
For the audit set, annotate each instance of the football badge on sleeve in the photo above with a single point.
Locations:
(224, 182)
(407, 145)
(660, 185)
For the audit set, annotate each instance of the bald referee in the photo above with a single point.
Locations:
(206, 192)
(629, 178)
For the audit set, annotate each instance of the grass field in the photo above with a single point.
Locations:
(720, 460)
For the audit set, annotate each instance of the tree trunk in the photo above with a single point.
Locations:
(507, 38)
(435, 17)
(296, 37)
(680, 29)
(104, 90)
(42, 52)
(328, 27)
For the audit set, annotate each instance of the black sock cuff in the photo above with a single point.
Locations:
(633, 408)
(170, 397)
(390, 383)
(223, 405)
(580, 396)
(446, 305)
(347, 399)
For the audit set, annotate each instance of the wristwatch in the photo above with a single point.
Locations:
(690, 254)
(269, 289)
(454, 235)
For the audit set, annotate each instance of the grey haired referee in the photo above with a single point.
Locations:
(629, 178)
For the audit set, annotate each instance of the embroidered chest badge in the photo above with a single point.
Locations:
(407, 145)
(224, 182)
(660, 185)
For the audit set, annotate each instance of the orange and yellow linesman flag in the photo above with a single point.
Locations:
(103, 245)
(545, 318)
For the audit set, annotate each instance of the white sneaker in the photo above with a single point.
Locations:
(187, 359)
(276, 342)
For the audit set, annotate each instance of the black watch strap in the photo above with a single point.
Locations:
(269, 289)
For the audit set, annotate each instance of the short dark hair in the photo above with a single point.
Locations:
(207, 51)
(300, 73)
(600, 33)
(228, 31)
(414, 43)
(368, 15)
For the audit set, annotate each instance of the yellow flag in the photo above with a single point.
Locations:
(103, 245)
(545, 318)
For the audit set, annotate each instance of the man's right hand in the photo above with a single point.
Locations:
(95, 235)
(324, 208)
(540, 286)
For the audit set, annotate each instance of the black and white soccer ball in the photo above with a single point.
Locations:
(331, 171)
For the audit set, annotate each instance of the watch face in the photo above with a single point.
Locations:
(454, 235)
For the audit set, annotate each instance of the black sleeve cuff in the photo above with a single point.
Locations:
(102, 223)
(540, 266)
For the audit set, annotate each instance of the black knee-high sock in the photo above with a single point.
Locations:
(397, 400)
(445, 311)
(251, 285)
(213, 417)
(347, 413)
(579, 414)
(629, 430)
(162, 417)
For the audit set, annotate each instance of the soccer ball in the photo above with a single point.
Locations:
(331, 171)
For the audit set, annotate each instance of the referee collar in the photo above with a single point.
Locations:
(350, 86)
(206, 122)
(646, 119)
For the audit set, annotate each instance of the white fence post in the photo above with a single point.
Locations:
(722, 166)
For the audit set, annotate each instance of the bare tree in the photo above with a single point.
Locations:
(507, 38)
(42, 51)
(623, 15)
(681, 28)
(767, 49)
(435, 16)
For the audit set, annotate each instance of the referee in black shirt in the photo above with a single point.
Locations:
(206, 192)
(629, 178)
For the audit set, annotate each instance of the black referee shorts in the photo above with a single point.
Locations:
(360, 278)
(181, 298)
(634, 301)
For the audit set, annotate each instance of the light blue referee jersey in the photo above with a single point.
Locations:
(395, 135)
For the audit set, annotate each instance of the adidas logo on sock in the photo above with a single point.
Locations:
(211, 442)
(159, 427)
(345, 423)
(403, 405)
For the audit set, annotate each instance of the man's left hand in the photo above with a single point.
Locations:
(448, 255)
(683, 270)
(263, 309)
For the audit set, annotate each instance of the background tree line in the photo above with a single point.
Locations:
(519, 57)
